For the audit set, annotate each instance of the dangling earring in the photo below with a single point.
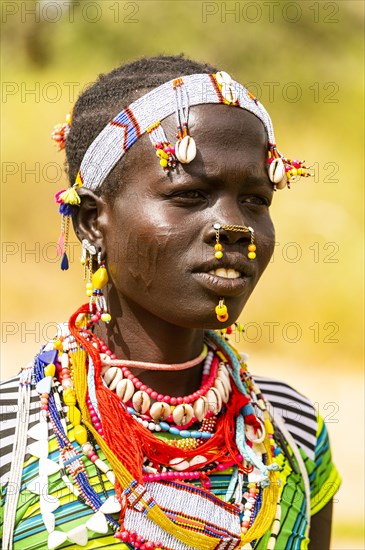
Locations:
(217, 247)
(221, 311)
(95, 281)
(252, 247)
(88, 251)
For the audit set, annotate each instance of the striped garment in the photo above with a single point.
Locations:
(308, 431)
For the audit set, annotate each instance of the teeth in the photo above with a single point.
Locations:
(225, 273)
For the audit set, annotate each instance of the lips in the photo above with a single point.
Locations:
(228, 278)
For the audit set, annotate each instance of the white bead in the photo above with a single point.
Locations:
(110, 506)
(145, 423)
(49, 503)
(48, 467)
(78, 535)
(97, 523)
(151, 426)
(55, 539)
(110, 475)
(101, 465)
(49, 521)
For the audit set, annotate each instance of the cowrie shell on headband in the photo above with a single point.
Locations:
(185, 150)
(223, 78)
(276, 171)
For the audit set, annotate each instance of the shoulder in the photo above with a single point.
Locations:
(296, 410)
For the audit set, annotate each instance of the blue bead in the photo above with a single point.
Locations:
(130, 410)
(205, 435)
(195, 434)
(174, 431)
(277, 451)
(247, 409)
(165, 426)
(185, 433)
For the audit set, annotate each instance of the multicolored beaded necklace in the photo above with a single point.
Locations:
(223, 426)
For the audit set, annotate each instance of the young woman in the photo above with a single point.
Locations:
(139, 424)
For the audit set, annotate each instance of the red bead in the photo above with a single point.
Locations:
(154, 395)
(160, 397)
(179, 400)
(173, 400)
(144, 387)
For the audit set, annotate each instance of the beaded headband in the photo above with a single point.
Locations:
(145, 115)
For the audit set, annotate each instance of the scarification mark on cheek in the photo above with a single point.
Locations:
(149, 255)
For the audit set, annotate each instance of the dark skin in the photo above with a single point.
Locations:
(157, 239)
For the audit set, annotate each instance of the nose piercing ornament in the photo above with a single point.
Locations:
(236, 228)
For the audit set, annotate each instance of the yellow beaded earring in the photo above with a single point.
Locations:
(95, 281)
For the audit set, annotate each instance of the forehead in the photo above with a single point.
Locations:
(227, 138)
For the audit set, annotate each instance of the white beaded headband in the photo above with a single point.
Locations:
(146, 113)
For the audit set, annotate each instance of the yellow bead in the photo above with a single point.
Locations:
(89, 289)
(269, 427)
(222, 318)
(163, 163)
(218, 246)
(50, 370)
(58, 345)
(106, 317)
(74, 415)
(80, 434)
(221, 310)
(69, 396)
(294, 172)
(100, 278)
(251, 255)
(252, 248)
(218, 255)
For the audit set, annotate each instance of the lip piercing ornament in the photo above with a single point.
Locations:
(236, 228)
(221, 311)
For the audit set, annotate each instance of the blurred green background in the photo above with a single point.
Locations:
(304, 60)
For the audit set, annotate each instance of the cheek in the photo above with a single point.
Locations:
(144, 254)
(265, 239)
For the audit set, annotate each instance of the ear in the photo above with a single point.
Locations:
(86, 223)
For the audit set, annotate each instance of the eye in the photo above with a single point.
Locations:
(192, 195)
(256, 200)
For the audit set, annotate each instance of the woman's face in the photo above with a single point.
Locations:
(158, 233)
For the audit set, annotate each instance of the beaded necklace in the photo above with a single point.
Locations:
(191, 462)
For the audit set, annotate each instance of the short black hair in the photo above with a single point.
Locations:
(110, 94)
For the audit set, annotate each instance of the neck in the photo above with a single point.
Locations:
(138, 335)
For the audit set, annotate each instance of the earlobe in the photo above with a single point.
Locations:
(86, 222)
